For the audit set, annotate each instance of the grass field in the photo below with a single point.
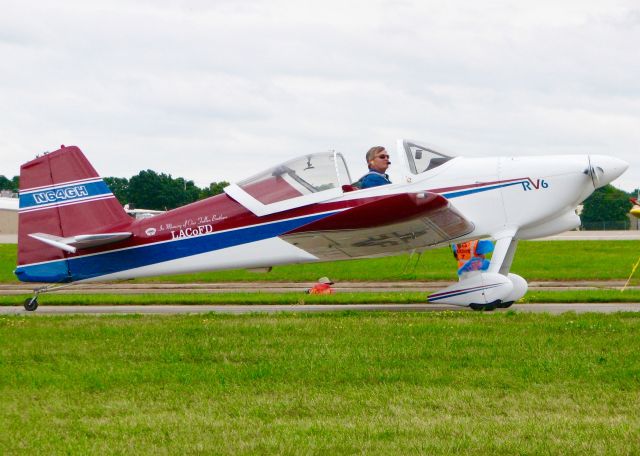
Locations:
(548, 260)
(344, 383)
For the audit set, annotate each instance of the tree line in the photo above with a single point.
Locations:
(606, 205)
(9, 184)
(159, 191)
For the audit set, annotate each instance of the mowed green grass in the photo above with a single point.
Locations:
(547, 260)
(343, 383)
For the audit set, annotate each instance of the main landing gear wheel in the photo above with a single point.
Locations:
(486, 307)
(492, 305)
(31, 304)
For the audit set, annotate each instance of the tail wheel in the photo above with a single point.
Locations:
(31, 304)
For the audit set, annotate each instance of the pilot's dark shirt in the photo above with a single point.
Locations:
(373, 179)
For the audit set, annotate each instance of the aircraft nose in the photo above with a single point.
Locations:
(604, 169)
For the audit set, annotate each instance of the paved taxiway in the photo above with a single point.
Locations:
(310, 308)
(283, 287)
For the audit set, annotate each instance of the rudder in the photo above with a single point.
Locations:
(61, 194)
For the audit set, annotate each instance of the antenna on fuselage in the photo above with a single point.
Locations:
(309, 165)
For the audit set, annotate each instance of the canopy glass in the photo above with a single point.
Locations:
(421, 158)
(298, 182)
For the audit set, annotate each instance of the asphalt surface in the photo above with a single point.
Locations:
(279, 287)
(317, 308)
(283, 287)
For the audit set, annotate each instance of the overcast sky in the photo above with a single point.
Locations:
(217, 90)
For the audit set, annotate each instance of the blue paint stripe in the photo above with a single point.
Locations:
(92, 266)
(478, 190)
(451, 294)
(479, 287)
(445, 293)
(54, 272)
(63, 194)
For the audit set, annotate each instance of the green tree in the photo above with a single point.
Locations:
(606, 208)
(189, 192)
(150, 190)
(9, 184)
(120, 188)
(215, 188)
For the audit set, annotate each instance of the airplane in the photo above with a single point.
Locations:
(73, 230)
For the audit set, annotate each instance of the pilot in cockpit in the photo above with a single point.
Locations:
(378, 162)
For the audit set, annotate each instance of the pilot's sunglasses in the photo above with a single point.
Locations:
(382, 156)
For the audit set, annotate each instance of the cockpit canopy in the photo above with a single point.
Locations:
(318, 177)
(304, 180)
(301, 176)
(422, 158)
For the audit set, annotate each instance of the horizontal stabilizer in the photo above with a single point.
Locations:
(389, 225)
(81, 241)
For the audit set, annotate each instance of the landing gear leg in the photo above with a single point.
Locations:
(503, 253)
(501, 261)
(31, 304)
(490, 290)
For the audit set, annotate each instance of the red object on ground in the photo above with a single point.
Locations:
(321, 288)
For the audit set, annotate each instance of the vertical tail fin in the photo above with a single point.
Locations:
(61, 194)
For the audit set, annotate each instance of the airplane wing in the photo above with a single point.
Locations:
(388, 225)
(80, 241)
